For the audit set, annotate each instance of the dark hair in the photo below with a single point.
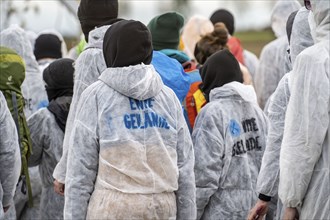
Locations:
(211, 43)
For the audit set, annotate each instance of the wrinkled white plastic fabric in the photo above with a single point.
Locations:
(280, 14)
(268, 178)
(274, 62)
(33, 88)
(10, 158)
(47, 139)
(120, 165)
(229, 140)
(88, 67)
(305, 153)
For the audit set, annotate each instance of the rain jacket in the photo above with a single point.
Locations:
(126, 155)
(269, 174)
(229, 139)
(172, 74)
(10, 157)
(88, 68)
(33, 88)
(305, 152)
(47, 138)
(274, 62)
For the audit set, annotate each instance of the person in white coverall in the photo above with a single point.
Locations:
(131, 154)
(47, 128)
(33, 88)
(304, 186)
(267, 185)
(273, 58)
(35, 97)
(229, 139)
(10, 157)
(88, 66)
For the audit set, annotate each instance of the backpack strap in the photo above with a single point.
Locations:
(25, 176)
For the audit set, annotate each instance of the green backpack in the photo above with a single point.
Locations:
(12, 75)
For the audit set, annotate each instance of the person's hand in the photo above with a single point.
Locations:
(258, 211)
(59, 187)
(5, 209)
(290, 214)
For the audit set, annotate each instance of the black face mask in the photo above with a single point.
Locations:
(58, 77)
(126, 43)
(219, 69)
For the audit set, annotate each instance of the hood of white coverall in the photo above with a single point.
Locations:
(17, 39)
(321, 12)
(280, 14)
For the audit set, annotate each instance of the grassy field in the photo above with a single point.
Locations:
(254, 41)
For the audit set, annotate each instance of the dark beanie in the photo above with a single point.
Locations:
(225, 17)
(47, 46)
(289, 24)
(126, 43)
(165, 30)
(58, 77)
(92, 13)
(219, 69)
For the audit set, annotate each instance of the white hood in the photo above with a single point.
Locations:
(138, 82)
(234, 88)
(280, 14)
(321, 11)
(17, 39)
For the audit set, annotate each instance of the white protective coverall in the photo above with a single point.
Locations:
(269, 174)
(128, 158)
(88, 68)
(305, 152)
(273, 59)
(47, 139)
(35, 97)
(229, 140)
(10, 157)
(33, 88)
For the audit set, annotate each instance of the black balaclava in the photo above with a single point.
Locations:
(225, 17)
(92, 13)
(47, 46)
(58, 77)
(126, 43)
(289, 24)
(219, 69)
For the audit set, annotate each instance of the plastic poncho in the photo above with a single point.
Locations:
(305, 152)
(229, 139)
(274, 62)
(269, 173)
(88, 68)
(33, 88)
(129, 158)
(47, 138)
(10, 158)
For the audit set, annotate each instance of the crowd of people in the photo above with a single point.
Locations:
(169, 120)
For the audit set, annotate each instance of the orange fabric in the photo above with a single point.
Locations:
(194, 102)
(236, 49)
